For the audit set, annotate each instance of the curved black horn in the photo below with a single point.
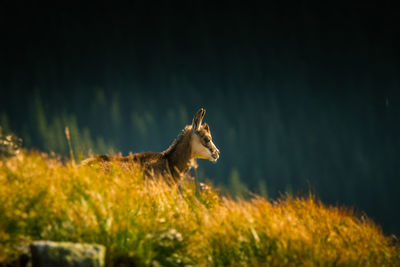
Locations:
(198, 117)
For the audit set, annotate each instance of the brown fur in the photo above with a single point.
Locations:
(176, 160)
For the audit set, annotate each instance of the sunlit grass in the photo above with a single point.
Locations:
(149, 221)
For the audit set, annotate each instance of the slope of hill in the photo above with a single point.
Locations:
(143, 222)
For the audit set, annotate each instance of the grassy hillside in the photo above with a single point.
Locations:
(148, 221)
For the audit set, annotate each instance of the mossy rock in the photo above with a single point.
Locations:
(67, 254)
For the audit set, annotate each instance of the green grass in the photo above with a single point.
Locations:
(143, 222)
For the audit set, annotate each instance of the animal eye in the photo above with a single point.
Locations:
(207, 140)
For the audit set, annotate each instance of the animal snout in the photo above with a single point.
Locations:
(215, 154)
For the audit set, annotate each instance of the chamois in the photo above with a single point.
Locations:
(193, 142)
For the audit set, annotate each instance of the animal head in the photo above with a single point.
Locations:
(201, 141)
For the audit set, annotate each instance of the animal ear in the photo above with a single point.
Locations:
(198, 117)
(206, 127)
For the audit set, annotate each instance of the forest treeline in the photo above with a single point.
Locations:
(270, 143)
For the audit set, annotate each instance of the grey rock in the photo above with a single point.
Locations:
(67, 254)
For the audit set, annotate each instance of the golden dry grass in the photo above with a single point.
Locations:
(149, 221)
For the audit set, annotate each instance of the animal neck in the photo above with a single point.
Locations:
(178, 154)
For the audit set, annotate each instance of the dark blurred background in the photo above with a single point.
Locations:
(297, 99)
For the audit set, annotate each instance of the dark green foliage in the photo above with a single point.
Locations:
(342, 154)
